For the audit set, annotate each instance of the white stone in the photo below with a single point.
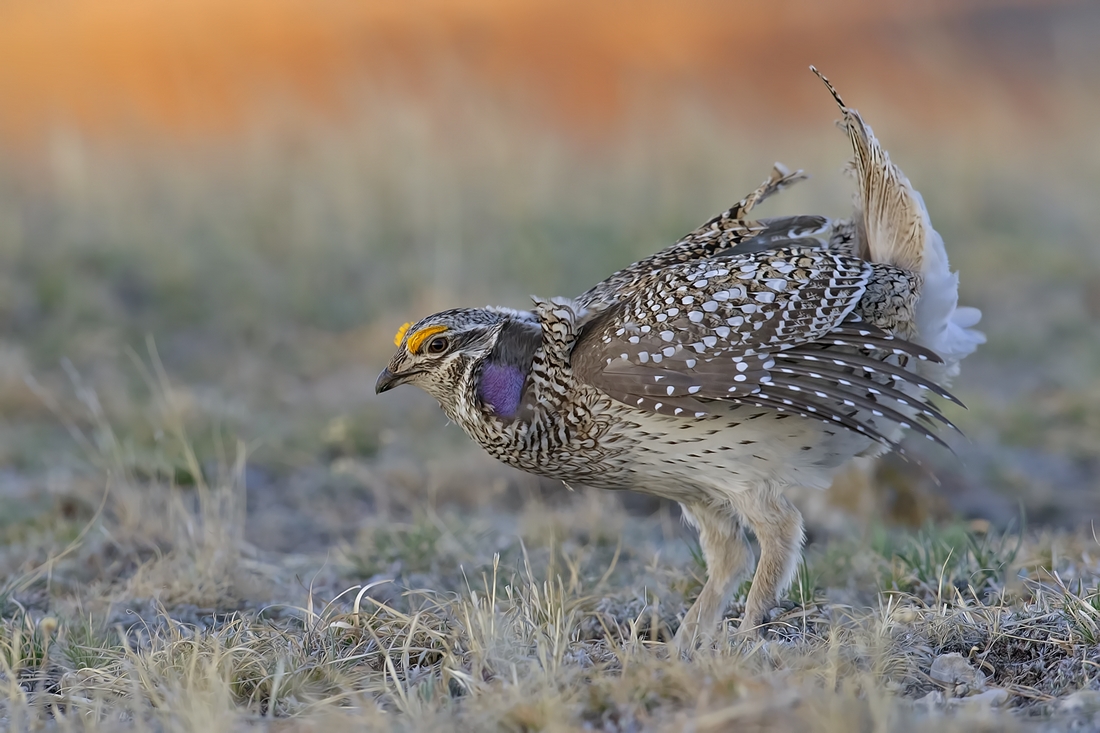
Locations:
(954, 671)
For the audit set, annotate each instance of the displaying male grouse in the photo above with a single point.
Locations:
(746, 358)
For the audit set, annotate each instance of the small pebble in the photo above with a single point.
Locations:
(1080, 701)
(906, 615)
(932, 701)
(994, 697)
(956, 673)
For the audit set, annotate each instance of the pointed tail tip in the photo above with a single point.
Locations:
(783, 175)
(831, 88)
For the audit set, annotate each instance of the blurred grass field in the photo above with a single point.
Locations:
(213, 217)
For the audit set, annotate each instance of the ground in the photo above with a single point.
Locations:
(140, 604)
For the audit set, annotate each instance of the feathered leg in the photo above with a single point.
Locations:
(728, 556)
(778, 528)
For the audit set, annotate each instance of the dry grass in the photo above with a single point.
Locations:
(160, 617)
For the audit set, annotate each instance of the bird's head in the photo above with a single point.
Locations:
(468, 359)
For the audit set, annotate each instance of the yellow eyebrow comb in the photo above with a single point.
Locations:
(400, 334)
(417, 339)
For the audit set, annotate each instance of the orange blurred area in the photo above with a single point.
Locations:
(190, 68)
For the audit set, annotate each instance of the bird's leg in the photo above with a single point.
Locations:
(728, 555)
(778, 528)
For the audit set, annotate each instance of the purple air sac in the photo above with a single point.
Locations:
(501, 389)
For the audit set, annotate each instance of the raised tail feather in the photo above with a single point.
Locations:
(894, 229)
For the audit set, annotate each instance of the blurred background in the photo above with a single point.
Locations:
(255, 194)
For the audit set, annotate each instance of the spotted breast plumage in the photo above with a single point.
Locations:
(749, 357)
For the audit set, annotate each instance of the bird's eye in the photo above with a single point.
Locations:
(437, 345)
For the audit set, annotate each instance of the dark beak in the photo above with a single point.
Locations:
(386, 380)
